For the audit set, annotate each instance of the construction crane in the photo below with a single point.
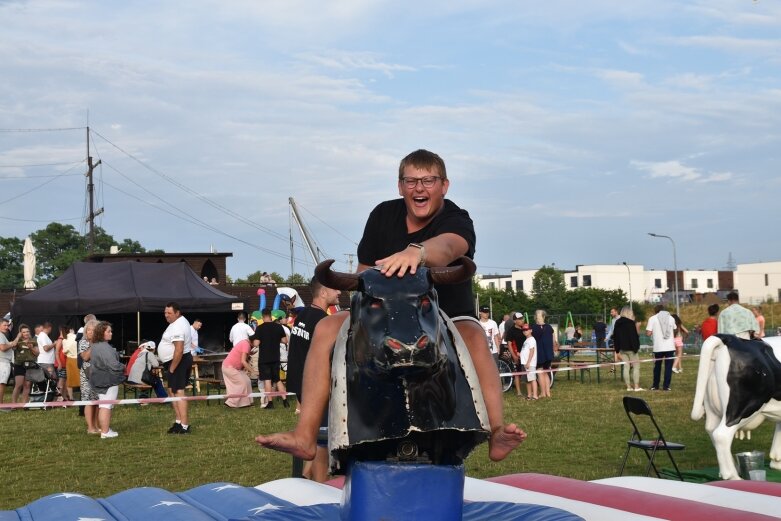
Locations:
(311, 245)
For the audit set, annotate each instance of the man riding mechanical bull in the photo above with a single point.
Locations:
(402, 235)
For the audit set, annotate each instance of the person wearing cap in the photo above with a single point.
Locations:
(268, 335)
(421, 228)
(491, 332)
(300, 340)
(515, 338)
(144, 358)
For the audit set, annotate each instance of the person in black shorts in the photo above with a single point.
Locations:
(175, 351)
(268, 335)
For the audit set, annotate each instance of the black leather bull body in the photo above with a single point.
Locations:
(404, 392)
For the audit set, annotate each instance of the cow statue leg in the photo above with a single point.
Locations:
(716, 398)
(775, 448)
(722, 438)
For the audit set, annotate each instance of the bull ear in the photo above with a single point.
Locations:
(454, 274)
(335, 279)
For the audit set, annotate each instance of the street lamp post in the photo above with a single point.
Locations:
(629, 275)
(675, 269)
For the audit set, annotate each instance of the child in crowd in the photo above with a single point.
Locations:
(529, 360)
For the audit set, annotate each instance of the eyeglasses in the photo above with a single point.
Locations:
(427, 181)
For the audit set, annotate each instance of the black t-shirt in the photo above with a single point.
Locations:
(270, 335)
(386, 233)
(600, 330)
(300, 340)
(515, 334)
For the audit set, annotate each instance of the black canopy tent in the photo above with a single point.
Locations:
(120, 292)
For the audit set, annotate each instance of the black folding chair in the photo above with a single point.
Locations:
(638, 407)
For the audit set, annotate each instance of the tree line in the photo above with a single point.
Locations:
(57, 246)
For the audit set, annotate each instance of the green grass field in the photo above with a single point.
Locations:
(580, 433)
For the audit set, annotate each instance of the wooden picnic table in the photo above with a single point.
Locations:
(600, 354)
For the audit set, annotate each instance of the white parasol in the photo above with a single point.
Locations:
(29, 264)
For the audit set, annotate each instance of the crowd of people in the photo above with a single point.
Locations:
(530, 349)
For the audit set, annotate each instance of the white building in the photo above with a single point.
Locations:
(700, 281)
(626, 277)
(755, 282)
(518, 280)
(758, 281)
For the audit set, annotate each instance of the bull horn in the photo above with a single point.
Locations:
(454, 274)
(335, 279)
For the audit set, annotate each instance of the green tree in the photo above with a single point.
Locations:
(252, 278)
(58, 246)
(502, 301)
(11, 262)
(104, 242)
(297, 279)
(594, 300)
(549, 290)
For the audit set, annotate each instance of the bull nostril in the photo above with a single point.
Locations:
(422, 342)
(394, 344)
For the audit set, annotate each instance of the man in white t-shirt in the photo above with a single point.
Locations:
(175, 351)
(661, 328)
(491, 331)
(46, 349)
(194, 328)
(240, 330)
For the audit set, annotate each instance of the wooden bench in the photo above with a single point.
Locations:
(210, 383)
(134, 388)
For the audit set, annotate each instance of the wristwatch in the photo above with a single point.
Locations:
(422, 249)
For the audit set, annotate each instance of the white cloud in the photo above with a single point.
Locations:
(346, 61)
(676, 170)
(731, 43)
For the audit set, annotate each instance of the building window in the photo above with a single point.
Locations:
(518, 285)
(573, 282)
(658, 283)
(694, 283)
(587, 281)
(491, 285)
(508, 284)
(710, 283)
(767, 280)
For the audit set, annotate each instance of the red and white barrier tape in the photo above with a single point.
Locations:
(137, 401)
(581, 366)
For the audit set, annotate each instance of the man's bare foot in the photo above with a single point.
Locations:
(503, 441)
(289, 442)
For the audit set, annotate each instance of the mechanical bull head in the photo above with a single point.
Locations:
(403, 385)
(397, 325)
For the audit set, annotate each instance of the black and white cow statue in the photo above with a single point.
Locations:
(403, 386)
(738, 387)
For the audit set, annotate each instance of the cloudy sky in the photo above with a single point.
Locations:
(570, 129)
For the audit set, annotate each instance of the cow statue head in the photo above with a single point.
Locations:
(401, 372)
